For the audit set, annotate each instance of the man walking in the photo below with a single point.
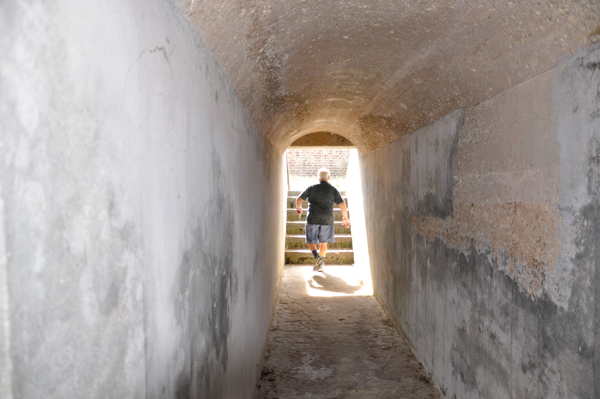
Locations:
(320, 222)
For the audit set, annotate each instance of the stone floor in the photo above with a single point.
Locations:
(330, 339)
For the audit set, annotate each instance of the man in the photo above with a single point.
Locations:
(319, 222)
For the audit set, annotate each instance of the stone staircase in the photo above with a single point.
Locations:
(296, 251)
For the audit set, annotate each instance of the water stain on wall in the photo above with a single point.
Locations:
(208, 283)
(505, 186)
(525, 235)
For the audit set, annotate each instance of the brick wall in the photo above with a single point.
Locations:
(306, 162)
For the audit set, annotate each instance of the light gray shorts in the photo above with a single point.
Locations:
(316, 233)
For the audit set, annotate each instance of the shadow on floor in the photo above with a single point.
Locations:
(331, 283)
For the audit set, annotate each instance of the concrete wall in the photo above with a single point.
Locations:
(142, 240)
(483, 238)
(357, 214)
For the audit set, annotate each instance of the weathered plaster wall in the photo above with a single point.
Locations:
(143, 236)
(483, 232)
(505, 184)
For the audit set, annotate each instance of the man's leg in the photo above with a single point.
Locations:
(313, 249)
(326, 235)
(320, 262)
(322, 249)
(312, 239)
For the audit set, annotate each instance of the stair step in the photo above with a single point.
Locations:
(301, 237)
(297, 241)
(295, 193)
(291, 201)
(292, 215)
(299, 227)
(305, 257)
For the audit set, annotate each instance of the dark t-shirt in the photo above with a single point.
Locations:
(321, 198)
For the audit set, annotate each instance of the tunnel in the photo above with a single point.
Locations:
(143, 185)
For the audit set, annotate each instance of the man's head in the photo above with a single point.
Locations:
(323, 174)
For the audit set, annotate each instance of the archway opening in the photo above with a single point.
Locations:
(347, 263)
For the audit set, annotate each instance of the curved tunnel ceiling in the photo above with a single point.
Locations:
(322, 139)
(375, 70)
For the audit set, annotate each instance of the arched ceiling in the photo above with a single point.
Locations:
(375, 70)
(322, 139)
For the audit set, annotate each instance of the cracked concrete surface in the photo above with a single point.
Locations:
(336, 342)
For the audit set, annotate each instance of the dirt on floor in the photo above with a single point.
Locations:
(330, 340)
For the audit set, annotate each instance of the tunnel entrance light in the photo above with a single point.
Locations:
(347, 268)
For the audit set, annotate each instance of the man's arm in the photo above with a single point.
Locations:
(299, 202)
(344, 210)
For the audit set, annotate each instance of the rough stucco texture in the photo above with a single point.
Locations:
(137, 267)
(506, 184)
(373, 71)
(483, 232)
